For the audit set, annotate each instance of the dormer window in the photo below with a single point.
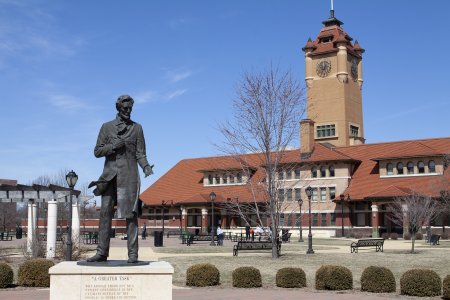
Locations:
(410, 167)
(389, 169)
(239, 178)
(225, 179)
(421, 167)
(210, 179)
(326, 39)
(400, 168)
(431, 166)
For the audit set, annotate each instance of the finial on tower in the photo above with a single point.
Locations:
(332, 9)
(332, 19)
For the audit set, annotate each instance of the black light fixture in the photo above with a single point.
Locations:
(310, 250)
(341, 196)
(300, 203)
(212, 197)
(71, 179)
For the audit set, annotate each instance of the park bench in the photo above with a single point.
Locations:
(256, 245)
(434, 239)
(173, 232)
(90, 238)
(374, 242)
(199, 238)
(6, 236)
(286, 238)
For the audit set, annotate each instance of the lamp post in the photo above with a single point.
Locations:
(300, 202)
(212, 196)
(342, 214)
(163, 204)
(71, 179)
(181, 216)
(308, 194)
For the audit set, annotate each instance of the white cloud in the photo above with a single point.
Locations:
(176, 94)
(177, 75)
(144, 97)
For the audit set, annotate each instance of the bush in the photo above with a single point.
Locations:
(446, 287)
(377, 280)
(419, 236)
(6, 275)
(394, 236)
(246, 277)
(330, 277)
(291, 278)
(407, 236)
(385, 235)
(202, 275)
(34, 272)
(421, 283)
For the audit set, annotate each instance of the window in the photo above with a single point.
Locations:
(332, 192)
(431, 166)
(289, 174)
(231, 178)
(333, 219)
(325, 131)
(323, 194)
(400, 168)
(297, 173)
(280, 195)
(323, 171)
(421, 167)
(323, 219)
(389, 169)
(314, 172)
(314, 194)
(280, 174)
(410, 168)
(315, 220)
(225, 179)
(297, 194)
(354, 131)
(239, 178)
(217, 179)
(289, 195)
(210, 179)
(297, 219)
(331, 169)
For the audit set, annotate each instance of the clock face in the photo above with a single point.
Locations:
(354, 69)
(323, 68)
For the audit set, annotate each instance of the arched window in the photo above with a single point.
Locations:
(331, 169)
(389, 169)
(314, 172)
(323, 171)
(410, 167)
(239, 178)
(421, 167)
(431, 167)
(400, 168)
(210, 179)
(225, 179)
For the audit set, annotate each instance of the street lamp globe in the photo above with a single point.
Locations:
(71, 179)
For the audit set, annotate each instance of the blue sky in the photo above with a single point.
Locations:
(63, 64)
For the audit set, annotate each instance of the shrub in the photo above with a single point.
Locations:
(407, 236)
(419, 236)
(446, 287)
(385, 235)
(421, 283)
(202, 275)
(394, 236)
(291, 278)
(34, 272)
(330, 277)
(6, 275)
(246, 277)
(377, 280)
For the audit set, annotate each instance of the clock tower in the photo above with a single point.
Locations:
(334, 81)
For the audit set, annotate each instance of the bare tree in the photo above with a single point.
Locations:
(416, 211)
(7, 216)
(267, 111)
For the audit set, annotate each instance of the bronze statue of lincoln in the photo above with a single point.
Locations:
(121, 142)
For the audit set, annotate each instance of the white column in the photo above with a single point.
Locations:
(52, 217)
(31, 228)
(75, 223)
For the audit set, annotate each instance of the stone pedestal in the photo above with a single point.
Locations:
(112, 280)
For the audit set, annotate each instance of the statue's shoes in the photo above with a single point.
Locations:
(132, 260)
(97, 258)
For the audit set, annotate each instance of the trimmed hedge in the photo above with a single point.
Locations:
(377, 280)
(6, 275)
(34, 272)
(446, 287)
(291, 278)
(246, 277)
(202, 275)
(331, 277)
(421, 283)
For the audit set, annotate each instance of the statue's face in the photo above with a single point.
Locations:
(125, 110)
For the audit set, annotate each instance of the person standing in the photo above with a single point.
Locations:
(220, 236)
(144, 231)
(121, 141)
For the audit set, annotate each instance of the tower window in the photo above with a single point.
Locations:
(354, 131)
(331, 169)
(326, 131)
(431, 166)
(323, 171)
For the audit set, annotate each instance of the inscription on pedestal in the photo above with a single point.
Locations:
(109, 287)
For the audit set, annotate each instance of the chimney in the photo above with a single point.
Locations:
(306, 136)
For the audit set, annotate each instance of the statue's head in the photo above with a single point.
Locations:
(124, 106)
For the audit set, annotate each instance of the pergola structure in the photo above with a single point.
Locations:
(52, 195)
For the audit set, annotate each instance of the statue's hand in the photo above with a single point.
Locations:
(119, 143)
(148, 170)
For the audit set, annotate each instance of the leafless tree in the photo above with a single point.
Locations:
(416, 211)
(7, 216)
(267, 111)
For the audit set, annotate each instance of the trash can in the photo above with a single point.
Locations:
(197, 231)
(112, 233)
(158, 238)
(18, 233)
(284, 235)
